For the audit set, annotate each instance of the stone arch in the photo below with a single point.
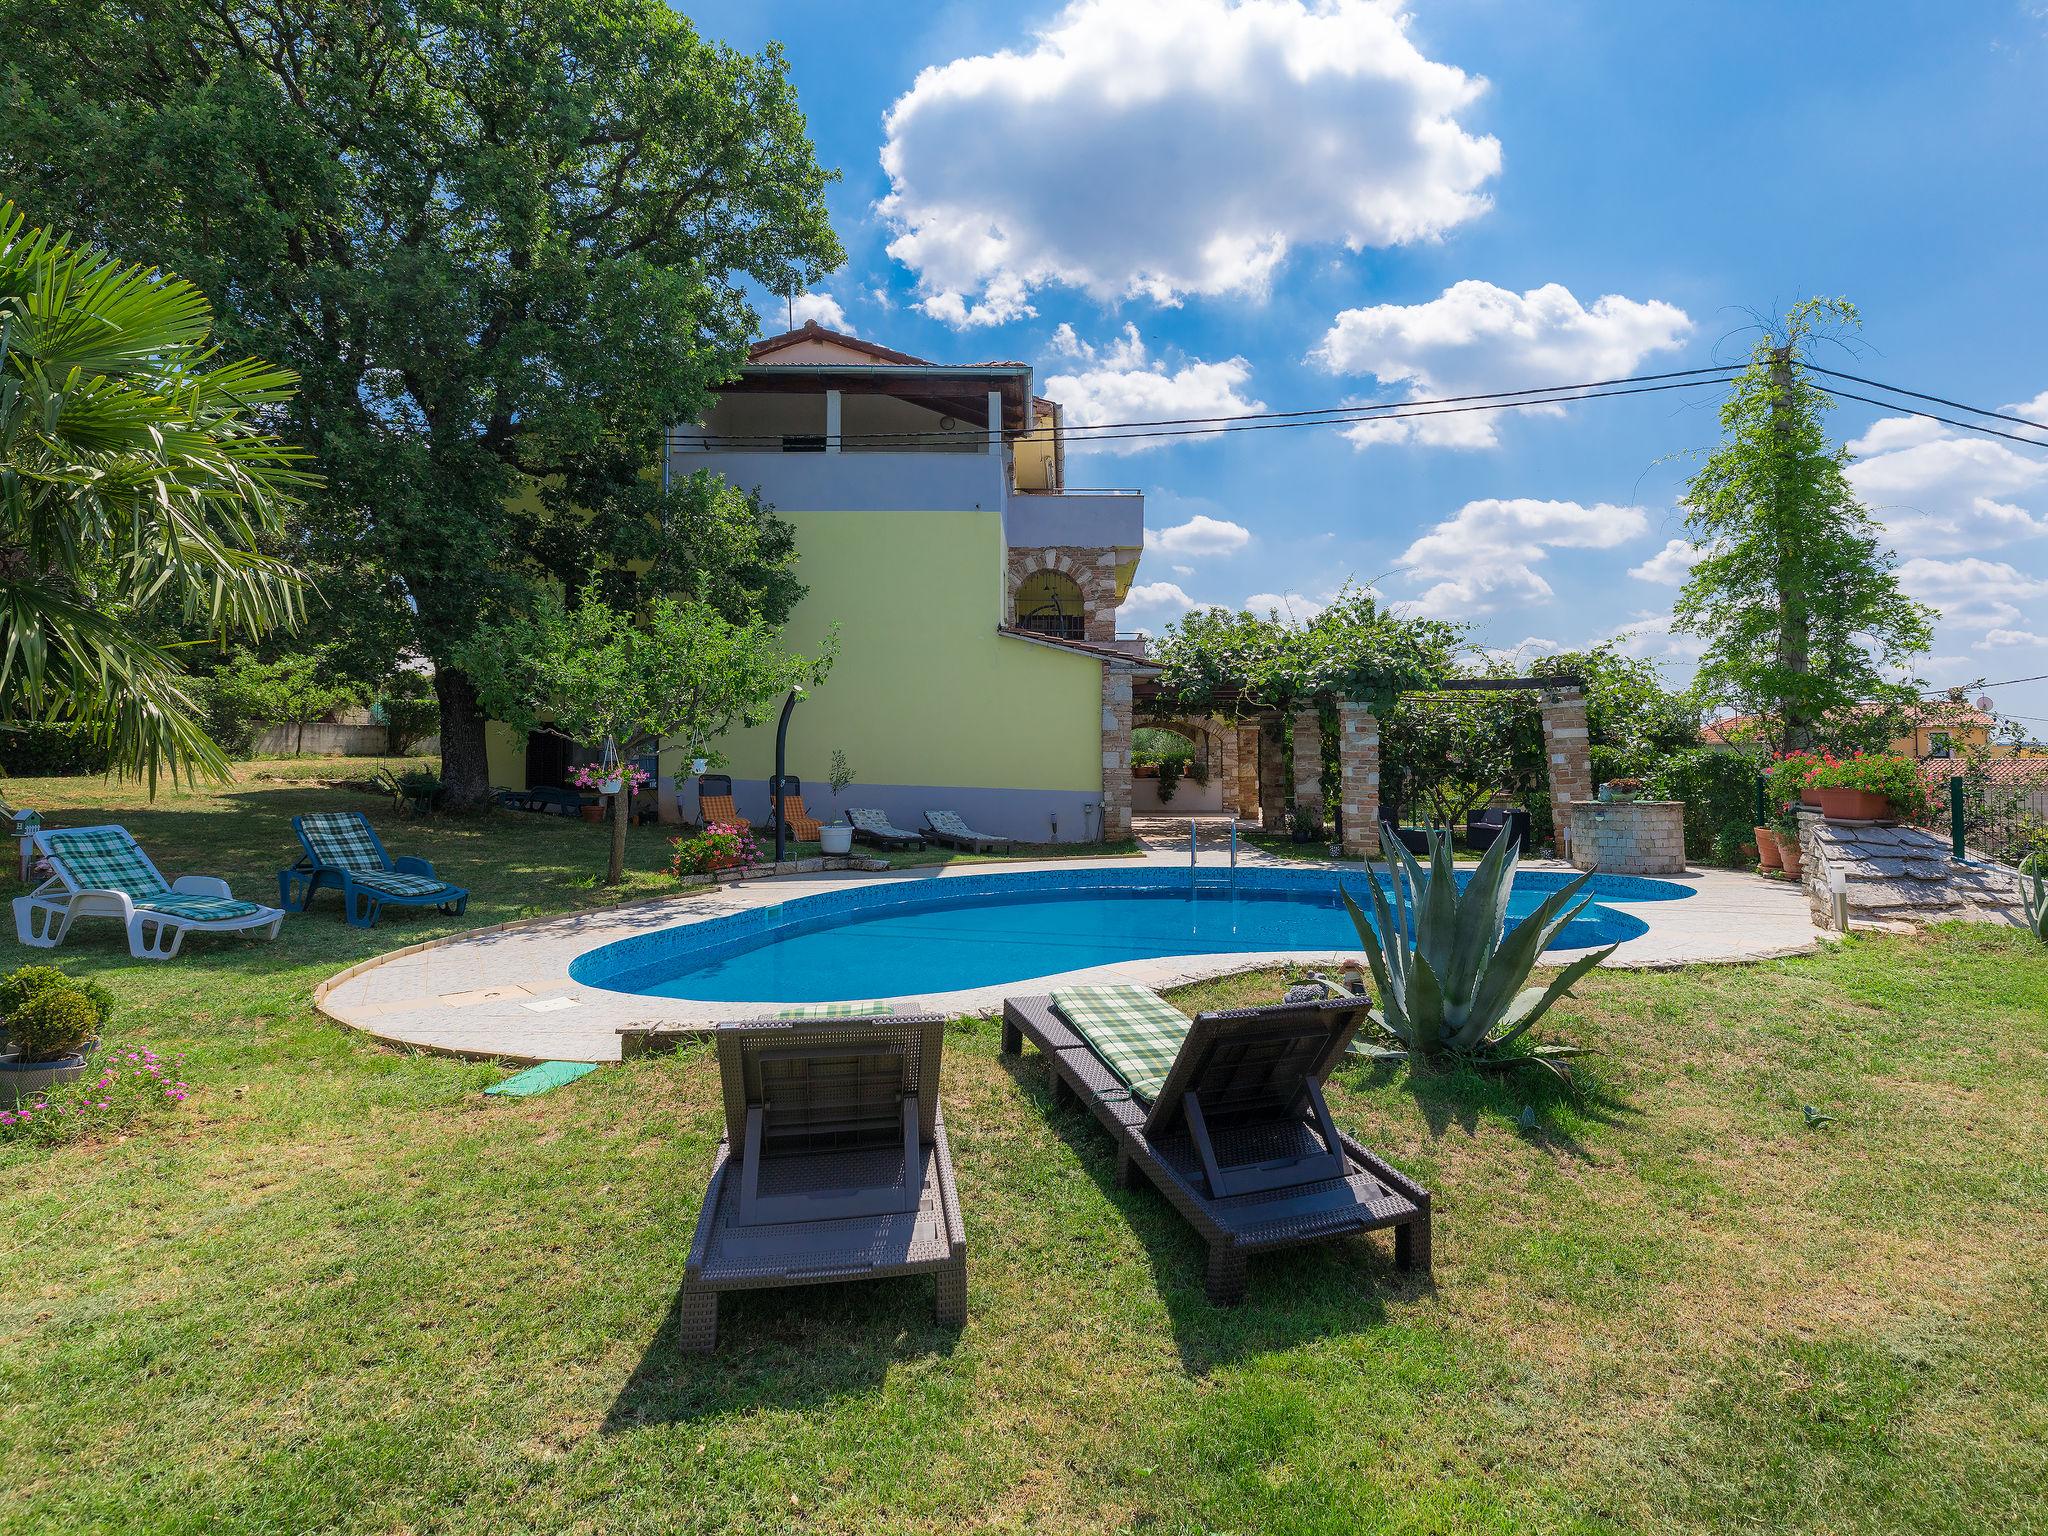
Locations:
(1093, 573)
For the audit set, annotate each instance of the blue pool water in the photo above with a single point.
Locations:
(908, 937)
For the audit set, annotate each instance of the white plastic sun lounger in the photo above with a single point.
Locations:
(103, 872)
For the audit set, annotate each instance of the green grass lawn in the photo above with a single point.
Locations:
(341, 1290)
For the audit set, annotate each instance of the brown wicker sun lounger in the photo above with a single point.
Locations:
(1238, 1137)
(947, 827)
(834, 1165)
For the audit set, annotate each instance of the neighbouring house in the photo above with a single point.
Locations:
(1940, 732)
(980, 667)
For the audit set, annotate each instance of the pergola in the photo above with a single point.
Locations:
(1253, 753)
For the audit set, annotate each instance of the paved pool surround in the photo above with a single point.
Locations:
(508, 993)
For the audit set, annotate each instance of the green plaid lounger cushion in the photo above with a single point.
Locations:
(104, 861)
(341, 840)
(199, 909)
(1136, 1033)
(835, 1011)
(390, 883)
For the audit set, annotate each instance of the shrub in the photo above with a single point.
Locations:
(18, 986)
(53, 1024)
(718, 847)
(1718, 790)
(58, 749)
(132, 1082)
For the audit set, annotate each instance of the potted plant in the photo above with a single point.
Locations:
(1786, 833)
(1766, 848)
(835, 838)
(52, 1021)
(1879, 786)
(1303, 824)
(1621, 791)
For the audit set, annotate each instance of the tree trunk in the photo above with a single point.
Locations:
(1795, 620)
(465, 764)
(617, 870)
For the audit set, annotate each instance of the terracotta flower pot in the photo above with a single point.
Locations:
(1791, 857)
(1809, 796)
(1767, 848)
(593, 814)
(1854, 805)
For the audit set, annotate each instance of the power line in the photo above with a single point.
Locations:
(1947, 421)
(1328, 416)
(1956, 405)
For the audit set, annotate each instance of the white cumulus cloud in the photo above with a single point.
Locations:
(1201, 536)
(1294, 607)
(1131, 151)
(1485, 555)
(821, 307)
(1670, 565)
(1152, 605)
(1122, 382)
(2000, 639)
(1939, 490)
(1476, 337)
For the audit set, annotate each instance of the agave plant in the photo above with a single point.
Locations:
(2034, 892)
(1450, 973)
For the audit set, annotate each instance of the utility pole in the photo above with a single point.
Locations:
(1795, 620)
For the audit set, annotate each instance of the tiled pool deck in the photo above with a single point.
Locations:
(506, 992)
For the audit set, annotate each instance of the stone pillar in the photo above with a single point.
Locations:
(1116, 754)
(1308, 762)
(1358, 764)
(1272, 777)
(1567, 751)
(1225, 764)
(1247, 771)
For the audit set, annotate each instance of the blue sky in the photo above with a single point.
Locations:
(1185, 207)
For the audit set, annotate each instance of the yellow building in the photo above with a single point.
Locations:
(980, 670)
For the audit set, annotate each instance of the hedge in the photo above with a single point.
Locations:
(1719, 791)
(39, 750)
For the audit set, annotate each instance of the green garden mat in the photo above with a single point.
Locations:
(549, 1074)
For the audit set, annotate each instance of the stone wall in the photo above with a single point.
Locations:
(1092, 570)
(1116, 753)
(1567, 749)
(1272, 777)
(1642, 837)
(1898, 877)
(1308, 763)
(1358, 766)
(1247, 771)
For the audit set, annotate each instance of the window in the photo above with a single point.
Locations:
(1049, 603)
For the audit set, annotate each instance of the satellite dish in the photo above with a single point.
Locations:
(1984, 702)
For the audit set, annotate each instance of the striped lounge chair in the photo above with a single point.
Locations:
(871, 826)
(342, 849)
(715, 804)
(103, 872)
(803, 826)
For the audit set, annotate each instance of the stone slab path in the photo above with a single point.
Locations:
(506, 993)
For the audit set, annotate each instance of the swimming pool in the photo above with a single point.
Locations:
(910, 937)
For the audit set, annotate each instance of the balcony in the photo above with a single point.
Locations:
(1077, 519)
(853, 482)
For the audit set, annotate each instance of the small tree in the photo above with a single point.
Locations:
(678, 672)
(1793, 593)
(294, 689)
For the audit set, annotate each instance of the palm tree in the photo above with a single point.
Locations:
(136, 473)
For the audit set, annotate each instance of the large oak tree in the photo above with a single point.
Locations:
(502, 245)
